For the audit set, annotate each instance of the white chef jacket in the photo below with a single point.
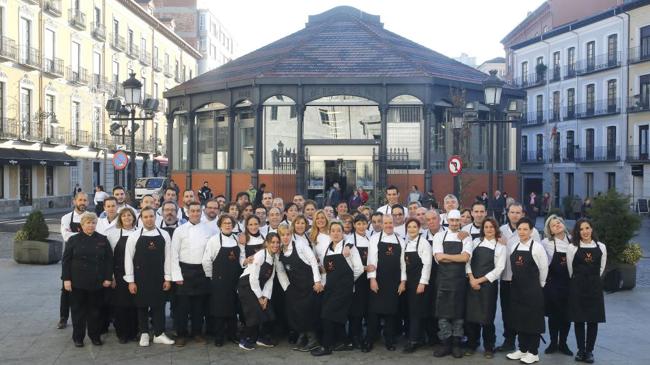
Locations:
(130, 252)
(188, 246)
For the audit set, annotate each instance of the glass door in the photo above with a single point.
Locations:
(25, 185)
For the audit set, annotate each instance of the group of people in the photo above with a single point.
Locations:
(330, 279)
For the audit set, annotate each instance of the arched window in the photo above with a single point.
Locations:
(405, 117)
(280, 128)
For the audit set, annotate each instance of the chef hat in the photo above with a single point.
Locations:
(453, 214)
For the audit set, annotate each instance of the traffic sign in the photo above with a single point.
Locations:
(120, 160)
(455, 165)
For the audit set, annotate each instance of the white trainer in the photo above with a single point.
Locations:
(163, 339)
(144, 340)
(529, 358)
(517, 355)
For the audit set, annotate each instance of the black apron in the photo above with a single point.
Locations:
(168, 229)
(223, 286)
(338, 287)
(452, 283)
(251, 250)
(359, 305)
(75, 227)
(184, 216)
(482, 303)
(526, 294)
(250, 304)
(474, 235)
(300, 296)
(194, 280)
(556, 290)
(121, 296)
(386, 300)
(149, 270)
(418, 304)
(586, 300)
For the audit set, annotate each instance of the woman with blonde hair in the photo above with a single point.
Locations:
(319, 235)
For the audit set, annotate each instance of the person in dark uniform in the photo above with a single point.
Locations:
(147, 269)
(484, 269)
(223, 260)
(478, 213)
(340, 274)
(70, 226)
(556, 290)
(529, 265)
(586, 259)
(87, 268)
(170, 219)
(387, 274)
(122, 301)
(252, 238)
(359, 306)
(431, 322)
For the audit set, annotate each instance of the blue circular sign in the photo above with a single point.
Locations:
(120, 160)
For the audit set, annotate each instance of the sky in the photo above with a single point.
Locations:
(450, 27)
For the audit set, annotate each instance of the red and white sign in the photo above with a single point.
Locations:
(455, 165)
(120, 160)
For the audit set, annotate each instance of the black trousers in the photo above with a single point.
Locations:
(125, 322)
(64, 306)
(225, 326)
(558, 329)
(529, 342)
(592, 332)
(85, 306)
(157, 319)
(504, 296)
(373, 327)
(355, 327)
(333, 332)
(473, 332)
(252, 333)
(188, 307)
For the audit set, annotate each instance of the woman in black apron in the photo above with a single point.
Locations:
(299, 229)
(255, 288)
(487, 263)
(359, 306)
(556, 290)
(253, 240)
(418, 257)
(341, 272)
(586, 259)
(529, 269)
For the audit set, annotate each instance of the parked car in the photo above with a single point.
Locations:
(149, 185)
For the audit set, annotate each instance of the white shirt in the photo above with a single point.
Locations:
(213, 246)
(551, 245)
(571, 254)
(388, 209)
(429, 235)
(104, 226)
(442, 236)
(302, 240)
(373, 253)
(211, 226)
(353, 260)
(362, 241)
(425, 254)
(158, 218)
(130, 252)
(472, 230)
(500, 256)
(188, 246)
(120, 207)
(539, 256)
(443, 220)
(306, 255)
(400, 230)
(100, 196)
(113, 235)
(253, 270)
(66, 233)
(322, 241)
(512, 238)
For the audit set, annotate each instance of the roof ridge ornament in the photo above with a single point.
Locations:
(344, 11)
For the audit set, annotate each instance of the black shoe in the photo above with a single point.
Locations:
(96, 341)
(366, 346)
(79, 343)
(551, 349)
(301, 342)
(123, 340)
(409, 348)
(469, 350)
(346, 346)
(63, 323)
(390, 346)
(564, 349)
(321, 351)
(218, 342)
(456, 350)
(444, 349)
(233, 339)
(507, 346)
(589, 357)
(356, 343)
(488, 353)
(293, 337)
(580, 356)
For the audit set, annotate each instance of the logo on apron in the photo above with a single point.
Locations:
(563, 261)
(389, 250)
(588, 257)
(151, 245)
(364, 255)
(407, 260)
(519, 261)
(330, 266)
(231, 256)
(287, 267)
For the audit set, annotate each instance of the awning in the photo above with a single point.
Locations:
(12, 156)
(163, 161)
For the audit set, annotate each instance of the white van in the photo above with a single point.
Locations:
(149, 185)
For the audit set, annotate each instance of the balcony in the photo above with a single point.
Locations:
(9, 128)
(145, 58)
(98, 31)
(570, 71)
(530, 80)
(78, 76)
(97, 83)
(133, 52)
(569, 154)
(52, 7)
(118, 43)
(554, 115)
(53, 67)
(77, 19)
(78, 138)
(555, 74)
(599, 154)
(29, 57)
(57, 136)
(157, 65)
(598, 63)
(168, 71)
(598, 108)
(638, 104)
(569, 113)
(638, 54)
(532, 157)
(532, 119)
(638, 154)
(33, 131)
(8, 49)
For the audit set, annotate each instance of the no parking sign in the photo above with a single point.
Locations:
(120, 160)
(455, 165)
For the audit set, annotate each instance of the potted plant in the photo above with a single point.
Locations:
(31, 244)
(627, 260)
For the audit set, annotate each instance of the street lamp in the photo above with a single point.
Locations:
(492, 87)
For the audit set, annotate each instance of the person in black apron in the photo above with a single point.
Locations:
(341, 272)
(556, 290)
(431, 323)
(188, 197)
(170, 221)
(87, 269)
(252, 239)
(418, 257)
(387, 283)
(223, 261)
(586, 259)
(147, 269)
(359, 305)
(191, 286)
(69, 227)
(122, 301)
(478, 216)
(304, 283)
(255, 288)
(451, 253)
(299, 228)
(529, 265)
(484, 269)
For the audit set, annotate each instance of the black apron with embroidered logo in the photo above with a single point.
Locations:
(250, 304)
(338, 287)
(75, 227)
(526, 294)
(223, 286)
(251, 250)
(556, 290)
(359, 306)
(482, 303)
(300, 298)
(586, 300)
(149, 270)
(386, 300)
(121, 297)
(451, 282)
(418, 304)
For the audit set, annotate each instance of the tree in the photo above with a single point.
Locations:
(613, 221)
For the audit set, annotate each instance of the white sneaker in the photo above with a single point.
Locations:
(163, 339)
(529, 358)
(517, 355)
(144, 340)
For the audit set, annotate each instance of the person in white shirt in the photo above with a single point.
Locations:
(375, 223)
(171, 196)
(252, 238)
(451, 253)
(210, 215)
(319, 236)
(309, 209)
(484, 269)
(108, 221)
(359, 306)
(387, 283)
(120, 196)
(170, 220)
(275, 218)
(392, 198)
(98, 199)
(191, 286)
(299, 228)
(420, 216)
(188, 197)
(586, 260)
(413, 208)
(398, 220)
(260, 212)
(147, 201)
(147, 269)
(450, 202)
(478, 213)
(529, 265)
(556, 290)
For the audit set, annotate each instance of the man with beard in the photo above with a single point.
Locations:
(210, 215)
(299, 201)
(110, 217)
(170, 219)
(171, 196)
(478, 216)
(188, 197)
(398, 221)
(120, 196)
(147, 202)
(267, 200)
